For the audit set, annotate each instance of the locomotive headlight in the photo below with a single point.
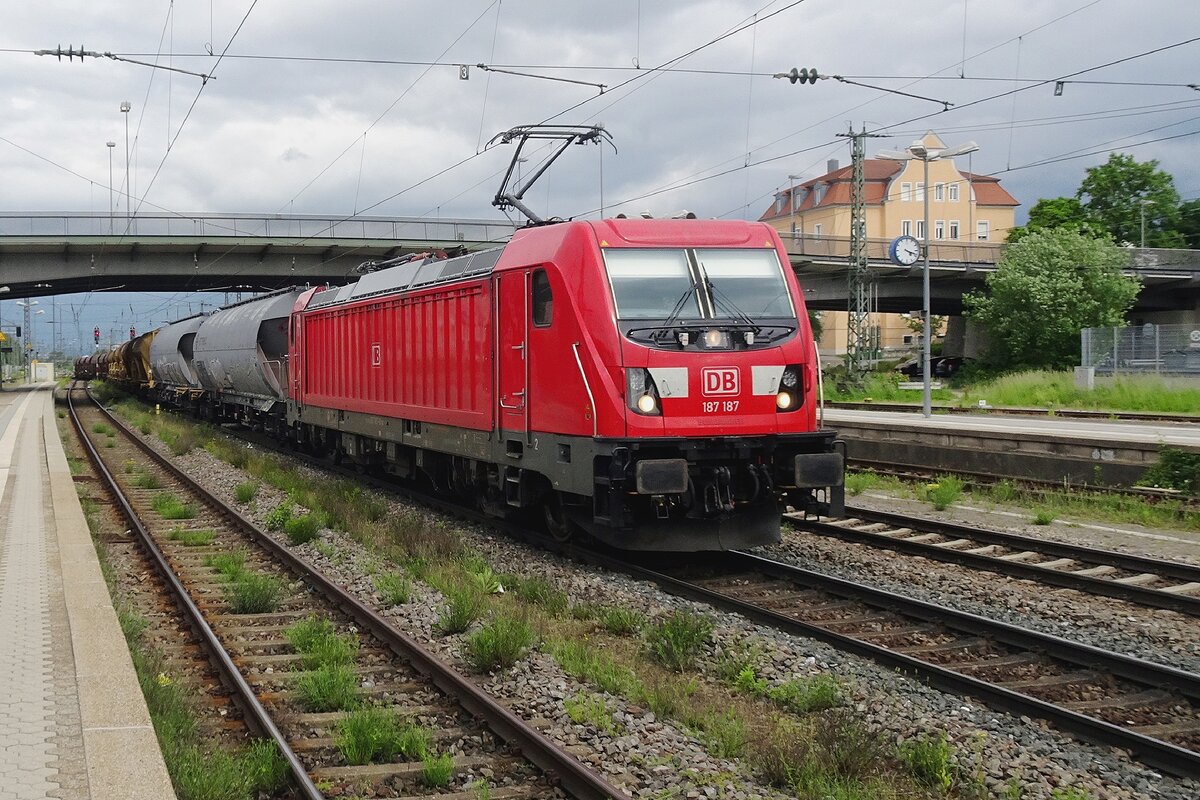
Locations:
(791, 377)
(715, 338)
(641, 395)
(783, 400)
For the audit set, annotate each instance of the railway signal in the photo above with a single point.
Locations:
(96, 334)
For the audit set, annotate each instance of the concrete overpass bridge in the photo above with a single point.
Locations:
(1170, 278)
(48, 253)
(56, 253)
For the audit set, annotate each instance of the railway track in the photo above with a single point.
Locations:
(1063, 413)
(440, 710)
(1137, 579)
(1153, 711)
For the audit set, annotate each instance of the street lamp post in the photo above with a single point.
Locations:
(918, 150)
(110, 146)
(792, 202)
(125, 108)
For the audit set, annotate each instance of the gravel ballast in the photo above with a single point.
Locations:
(651, 756)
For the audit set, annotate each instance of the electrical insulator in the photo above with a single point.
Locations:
(804, 75)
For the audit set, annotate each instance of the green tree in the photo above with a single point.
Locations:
(1057, 212)
(1117, 193)
(1189, 223)
(1046, 289)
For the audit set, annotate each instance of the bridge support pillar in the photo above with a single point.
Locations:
(964, 338)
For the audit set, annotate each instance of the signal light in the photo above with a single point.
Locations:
(96, 334)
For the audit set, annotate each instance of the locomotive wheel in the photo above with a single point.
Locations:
(558, 525)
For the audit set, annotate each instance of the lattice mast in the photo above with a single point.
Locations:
(860, 343)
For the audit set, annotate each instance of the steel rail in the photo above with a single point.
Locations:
(1155, 752)
(1142, 595)
(257, 715)
(571, 774)
(1064, 413)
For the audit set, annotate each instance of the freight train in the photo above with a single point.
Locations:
(651, 383)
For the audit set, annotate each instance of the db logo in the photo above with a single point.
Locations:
(719, 381)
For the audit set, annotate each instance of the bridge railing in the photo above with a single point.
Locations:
(877, 249)
(255, 226)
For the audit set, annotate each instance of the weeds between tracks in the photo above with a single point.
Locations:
(795, 733)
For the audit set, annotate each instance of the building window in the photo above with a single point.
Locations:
(817, 231)
(796, 230)
(981, 230)
(905, 192)
(953, 229)
(906, 227)
(920, 193)
(780, 203)
(954, 193)
(939, 229)
(818, 193)
(543, 299)
(908, 338)
(921, 229)
(939, 192)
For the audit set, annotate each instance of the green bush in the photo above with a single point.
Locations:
(245, 492)
(1176, 469)
(676, 641)
(1043, 517)
(279, 515)
(589, 710)
(929, 761)
(254, 593)
(499, 644)
(301, 530)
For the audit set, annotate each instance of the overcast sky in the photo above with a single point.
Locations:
(716, 134)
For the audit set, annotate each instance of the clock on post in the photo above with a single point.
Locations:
(904, 250)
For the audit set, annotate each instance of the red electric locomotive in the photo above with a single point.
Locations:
(652, 382)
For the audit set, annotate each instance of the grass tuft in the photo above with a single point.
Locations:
(394, 589)
(676, 641)
(499, 643)
(437, 771)
(332, 687)
(373, 734)
(621, 621)
(928, 759)
(254, 593)
(320, 645)
(542, 593)
(464, 605)
(279, 515)
(303, 529)
(245, 492)
(944, 492)
(200, 538)
(169, 506)
(230, 565)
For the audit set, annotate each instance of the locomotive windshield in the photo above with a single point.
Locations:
(698, 284)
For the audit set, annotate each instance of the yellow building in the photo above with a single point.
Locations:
(965, 210)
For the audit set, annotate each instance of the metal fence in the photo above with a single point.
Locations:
(1166, 349)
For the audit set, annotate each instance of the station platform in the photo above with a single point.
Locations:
(73, 723)
(1069, 451)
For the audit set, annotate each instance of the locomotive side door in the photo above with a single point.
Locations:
(512, 343)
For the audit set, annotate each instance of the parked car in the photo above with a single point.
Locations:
(940, 367)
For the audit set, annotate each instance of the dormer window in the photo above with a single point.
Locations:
(818, 194)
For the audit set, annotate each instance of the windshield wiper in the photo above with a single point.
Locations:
(673, 317)
(722, 301)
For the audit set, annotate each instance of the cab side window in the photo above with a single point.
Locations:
(543, 299)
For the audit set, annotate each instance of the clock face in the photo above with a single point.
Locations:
(906, 250)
